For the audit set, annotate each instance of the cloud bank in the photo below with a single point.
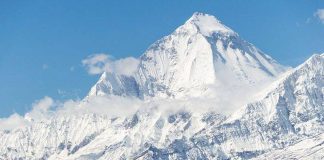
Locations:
(46, 108)
(112, 106)
(99, 63)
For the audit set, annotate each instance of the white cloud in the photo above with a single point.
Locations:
(99, 63)
(115, 106)
(96, 63)
(320, 15)
(112, 106)
(126, 66)
(12, 122)
(40, 109)
(46, 108)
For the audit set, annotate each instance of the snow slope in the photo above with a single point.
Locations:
(308, 148)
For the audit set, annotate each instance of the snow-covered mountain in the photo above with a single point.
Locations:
(199, 54)
(284, 119)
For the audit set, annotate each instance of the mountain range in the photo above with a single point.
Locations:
(204, 93)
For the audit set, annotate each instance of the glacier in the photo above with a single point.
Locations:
(202, 93)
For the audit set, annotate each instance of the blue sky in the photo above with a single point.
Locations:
(42, 43)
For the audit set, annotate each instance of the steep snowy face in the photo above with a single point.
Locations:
(297, 102)
(199, 54)
(297, 97)
(113, 84)
(287, 115)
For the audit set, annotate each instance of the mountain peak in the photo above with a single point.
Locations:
(208, 24)
(200, 15)
(197, 55)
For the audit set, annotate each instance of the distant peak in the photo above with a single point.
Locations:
(208, 24)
